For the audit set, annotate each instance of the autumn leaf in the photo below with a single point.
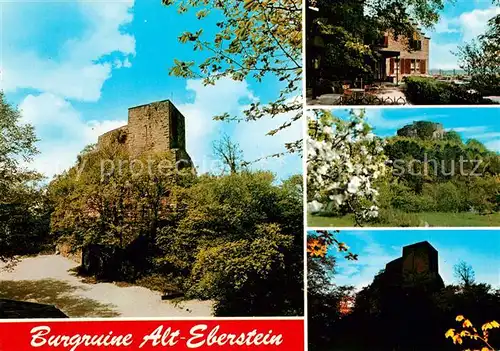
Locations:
(457, 338)
(450, 333)
(460, 318)
(487, 326)
(467, 323)
(316, 247)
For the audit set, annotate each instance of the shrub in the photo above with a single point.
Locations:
(403, 198)
(483, 194)
(428, 91)
(448, 198)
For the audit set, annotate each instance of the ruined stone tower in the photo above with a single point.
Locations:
(418, 266)
(152, 128)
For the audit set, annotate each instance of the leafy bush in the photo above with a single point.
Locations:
(403, 198)
(449, 198)
(484, 194)
(187, 220)
(235, 273)
(397, 218)
(428, 91)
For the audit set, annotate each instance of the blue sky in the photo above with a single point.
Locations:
(75, 67)
(460, 22)
(479, 248)
(482, 124)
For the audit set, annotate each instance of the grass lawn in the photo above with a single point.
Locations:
(434, 219)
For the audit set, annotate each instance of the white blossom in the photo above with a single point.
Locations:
(344, 158)
(354, 185)
(314, 206)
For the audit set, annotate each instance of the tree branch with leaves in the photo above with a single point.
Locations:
(255, 39)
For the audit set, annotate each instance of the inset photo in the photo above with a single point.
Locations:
(385, 52)
(404, 290)
(403, 168)
(151, 161)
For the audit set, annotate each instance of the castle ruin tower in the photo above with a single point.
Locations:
(152, 128)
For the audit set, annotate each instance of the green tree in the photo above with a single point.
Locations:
(239, 242)
(481, 61)
(229, 154)
(464, 273)
(23, 207)
(453, 136)
(343, 35)
(110, 198)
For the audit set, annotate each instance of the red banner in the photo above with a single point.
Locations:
(212, 334)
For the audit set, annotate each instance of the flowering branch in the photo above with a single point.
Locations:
(344, 158)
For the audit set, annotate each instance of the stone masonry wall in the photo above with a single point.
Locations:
(149, 128)
(156, 127)
(113, 136)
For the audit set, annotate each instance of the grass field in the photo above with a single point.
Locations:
(434, 219)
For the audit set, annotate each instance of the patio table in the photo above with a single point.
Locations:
(358, 93)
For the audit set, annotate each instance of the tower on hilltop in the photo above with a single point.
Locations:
(152, 128)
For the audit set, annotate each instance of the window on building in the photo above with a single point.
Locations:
(416, 45)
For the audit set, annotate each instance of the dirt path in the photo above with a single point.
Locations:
(47, 279)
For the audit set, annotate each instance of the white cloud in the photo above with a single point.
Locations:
(442, 56)
(474, 23)
(371, 260)
(256, 144)
(466, 130)
(493, 145)
(468, 26)
(209, 101)
(376, 119)
(446, 25)
(374, 257)
(62, 131)
(232, 97)
(82, 64)
(490, 139)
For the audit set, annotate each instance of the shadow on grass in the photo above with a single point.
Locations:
(57, 293)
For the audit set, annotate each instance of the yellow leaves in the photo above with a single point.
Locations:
(450, 333)
(201, 14)
(457, 338)
(490, 325)
(250, 5)
(464, 333)
(467, 324)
